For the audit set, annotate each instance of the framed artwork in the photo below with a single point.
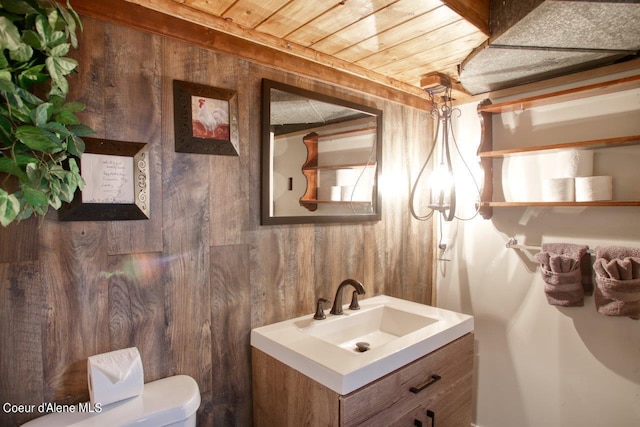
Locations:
(116, 176)
(205, 119)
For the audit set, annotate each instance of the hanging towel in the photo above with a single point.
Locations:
(566, 271)
(618, 281)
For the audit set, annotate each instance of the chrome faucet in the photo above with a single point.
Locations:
(337, 301)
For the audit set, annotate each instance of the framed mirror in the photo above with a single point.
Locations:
(321, 157)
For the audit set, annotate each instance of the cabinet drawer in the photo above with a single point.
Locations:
(381, 402)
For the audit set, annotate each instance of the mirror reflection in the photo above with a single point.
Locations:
(321, 157)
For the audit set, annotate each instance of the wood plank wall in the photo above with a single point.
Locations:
(187, 286)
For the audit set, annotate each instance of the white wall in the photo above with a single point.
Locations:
(536, 364)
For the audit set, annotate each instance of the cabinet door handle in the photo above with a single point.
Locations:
(432, 415)
(434, 378)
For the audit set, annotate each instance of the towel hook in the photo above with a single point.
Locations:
(512, 243)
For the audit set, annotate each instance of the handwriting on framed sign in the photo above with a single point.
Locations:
(116, 176)
(109, 179)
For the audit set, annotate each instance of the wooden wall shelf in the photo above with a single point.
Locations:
(338, 202)
(550, 204)
(487, 154)
(342, 166)
(573, 94)
(593, 144)
(310, 199)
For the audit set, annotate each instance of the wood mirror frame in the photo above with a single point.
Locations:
(306, 161)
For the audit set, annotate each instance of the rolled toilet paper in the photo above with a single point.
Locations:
(558, 190)
(592, 188)
(115, 376)
(347, 193)
(336, 193)
(574, 163)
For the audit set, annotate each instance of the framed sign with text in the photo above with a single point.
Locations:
(116, 186)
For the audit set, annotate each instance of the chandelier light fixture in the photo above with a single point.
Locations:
(440, 178)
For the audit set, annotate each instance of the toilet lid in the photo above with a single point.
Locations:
(162, 402)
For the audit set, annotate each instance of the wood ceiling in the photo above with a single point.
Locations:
(392, 42)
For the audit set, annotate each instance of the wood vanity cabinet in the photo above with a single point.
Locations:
(434, 390)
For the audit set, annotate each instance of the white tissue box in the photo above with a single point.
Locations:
(115, 376)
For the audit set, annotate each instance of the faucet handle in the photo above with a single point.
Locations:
(354, 301)
(319, 309)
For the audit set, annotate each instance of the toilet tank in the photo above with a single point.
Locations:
(171, 401)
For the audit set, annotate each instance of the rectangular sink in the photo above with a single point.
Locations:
(375, 327)
(396, 332)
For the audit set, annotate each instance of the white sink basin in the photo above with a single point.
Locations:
(375, 326)
(397, 332)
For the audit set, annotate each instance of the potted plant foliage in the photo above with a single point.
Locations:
(40, 135)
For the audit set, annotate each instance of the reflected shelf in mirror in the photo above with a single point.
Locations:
(321, 158)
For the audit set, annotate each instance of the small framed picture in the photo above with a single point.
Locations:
(205, 119)
(116, 183)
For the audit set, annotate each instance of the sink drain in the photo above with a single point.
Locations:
(362, 346)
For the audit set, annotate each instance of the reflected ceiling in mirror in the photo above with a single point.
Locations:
(321, 157)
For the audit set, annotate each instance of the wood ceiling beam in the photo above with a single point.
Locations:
(209, 32)
(474, 11)
(436, 81)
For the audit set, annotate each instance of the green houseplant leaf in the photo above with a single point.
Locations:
(9, 207)
(40, 133)
(9, 34)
